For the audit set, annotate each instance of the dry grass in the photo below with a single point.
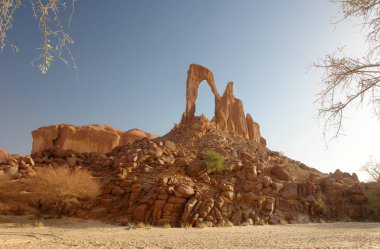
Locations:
(50, 188)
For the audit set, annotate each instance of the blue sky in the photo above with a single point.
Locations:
(133, 57)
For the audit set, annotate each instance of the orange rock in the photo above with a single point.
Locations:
(229, 111)
(184, 191)
(290, 193)
(195, 76)
(254, 130)
(4, 155)
(139, 212)
(195, 168)
(91, 138)
(281, 173)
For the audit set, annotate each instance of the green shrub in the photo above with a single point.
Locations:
(214, 161)
(373, 204)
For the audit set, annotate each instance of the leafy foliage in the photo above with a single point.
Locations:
(56, 40)
(214, 161)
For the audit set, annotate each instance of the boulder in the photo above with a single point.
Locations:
(290, 193)
(281, 173)
(4, 155)
(28, 160)
(139, 212)
(267, 181)
(184, 190)
(277, 186)
(195, 168)
(170, 145)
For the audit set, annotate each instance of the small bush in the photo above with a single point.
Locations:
(52, 189)
(373, 204)
(214, 161)
(62, 187)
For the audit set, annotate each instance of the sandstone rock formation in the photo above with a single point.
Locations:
(91, 138)
(229, 111)
(4, 155)
(165, 181)
(195, 76)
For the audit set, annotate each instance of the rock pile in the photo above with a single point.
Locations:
(17, 166)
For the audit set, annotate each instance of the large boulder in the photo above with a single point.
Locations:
(90, 138)
(290, 193)
(195, 168)
(4, 155)
(281, 173)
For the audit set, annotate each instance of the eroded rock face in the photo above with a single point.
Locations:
(4, 155)
(229, 111)
(91, 138)
(195, 76)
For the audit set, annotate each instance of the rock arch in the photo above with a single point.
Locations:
(229, 111)
(195, 75)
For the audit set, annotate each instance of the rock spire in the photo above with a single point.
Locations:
(229, 111)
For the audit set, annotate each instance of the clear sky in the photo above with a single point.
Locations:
(133, 57)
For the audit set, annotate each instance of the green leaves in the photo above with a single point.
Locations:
(56, 40)
(214, 161)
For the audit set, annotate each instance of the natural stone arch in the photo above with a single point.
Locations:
(229, 111)
(195, 76)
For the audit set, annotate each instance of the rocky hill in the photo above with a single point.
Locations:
(165, 180)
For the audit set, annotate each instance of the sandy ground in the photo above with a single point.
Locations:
(21, 232)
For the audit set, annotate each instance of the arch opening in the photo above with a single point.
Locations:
(205, 102)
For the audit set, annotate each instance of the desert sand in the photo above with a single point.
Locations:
(21, 232)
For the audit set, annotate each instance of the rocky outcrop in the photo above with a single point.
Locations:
(165, 182)
(4, 155)
(91, 138)
(195, 76)
(229, 111)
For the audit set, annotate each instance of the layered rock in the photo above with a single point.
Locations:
(91, 138)
(229, 111)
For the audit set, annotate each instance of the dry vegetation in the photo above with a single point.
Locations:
(50, 188)
(352, 81)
